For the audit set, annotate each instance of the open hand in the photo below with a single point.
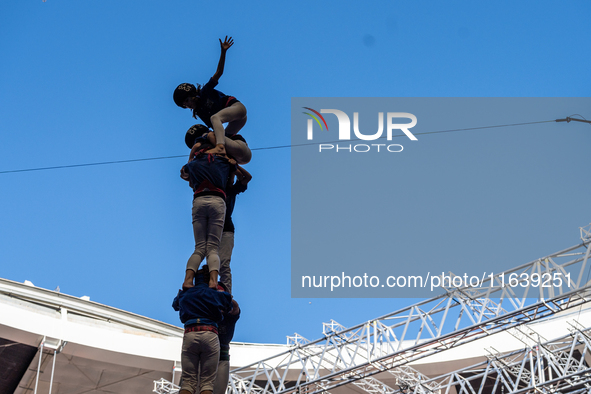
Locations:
(228, 42)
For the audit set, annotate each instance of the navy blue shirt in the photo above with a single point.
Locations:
(211, 102)
(201, 305)
(208, 174)
(226, 333)
(231, 193)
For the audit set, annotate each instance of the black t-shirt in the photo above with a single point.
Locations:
(231, 193)
(211, 102)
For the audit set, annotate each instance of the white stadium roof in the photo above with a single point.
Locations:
(100, 349)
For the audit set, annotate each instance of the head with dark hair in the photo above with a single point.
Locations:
(183, 92)
(195, 132)
(202, 276)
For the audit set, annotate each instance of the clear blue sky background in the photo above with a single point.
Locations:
(85, 82)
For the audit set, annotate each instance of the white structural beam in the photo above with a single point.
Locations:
(30, 313)
(81, 306)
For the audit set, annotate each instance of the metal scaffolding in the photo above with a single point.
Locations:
(163, 386)
(461, 315)
(559, 365)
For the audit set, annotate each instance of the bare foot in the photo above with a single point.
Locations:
(188, 285)
(220, 149)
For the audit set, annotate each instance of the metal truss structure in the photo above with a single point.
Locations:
(508, 301)
(163, 386)
(389, 343)
(560, 365)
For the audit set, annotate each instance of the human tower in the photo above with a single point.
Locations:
(215, 173)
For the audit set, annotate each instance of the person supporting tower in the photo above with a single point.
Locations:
(226, 333)
(227, 243)
(207, 175)
(195, 137)
(236, 146)
(200, 310)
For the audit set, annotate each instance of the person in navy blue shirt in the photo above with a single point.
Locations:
(225, 334)
(195, 137)
(215, 108)
(242, 177)
(208, 176)
(201, 311)
(199, 134)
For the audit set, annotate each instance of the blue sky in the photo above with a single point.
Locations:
(87, 82)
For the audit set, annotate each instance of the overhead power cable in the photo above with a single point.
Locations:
(433, 132)
(92, 164)
(567, 119)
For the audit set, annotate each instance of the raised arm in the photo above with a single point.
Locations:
(228, 42)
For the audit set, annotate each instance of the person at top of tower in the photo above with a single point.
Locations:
(215, 108)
